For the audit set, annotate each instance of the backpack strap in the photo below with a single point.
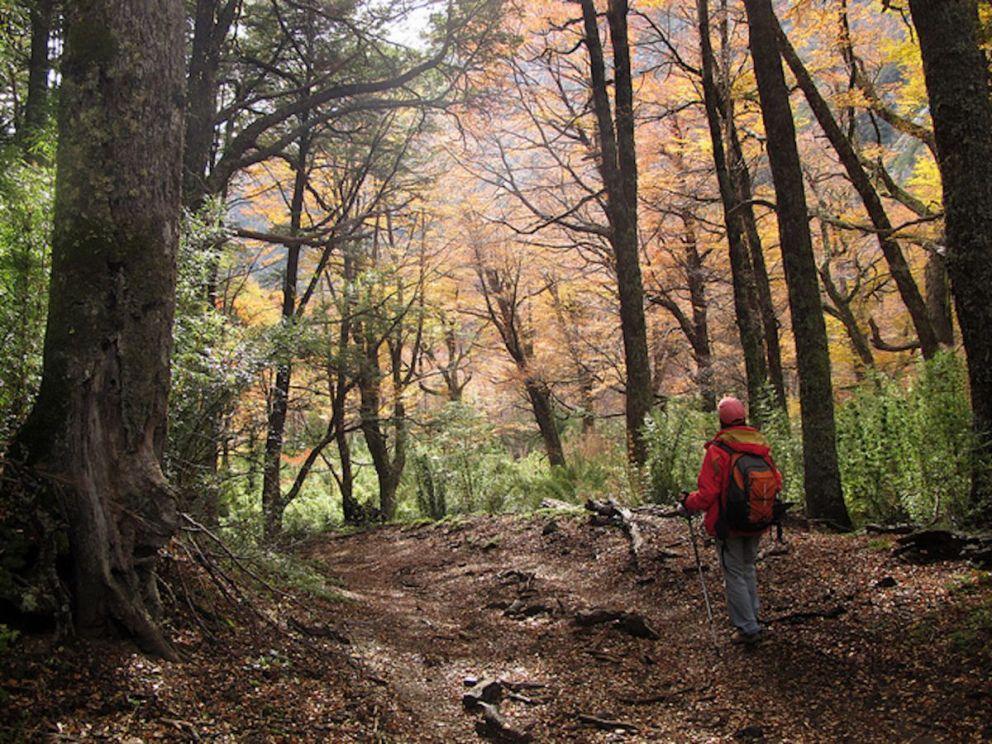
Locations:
(720, 525)
(725, 447)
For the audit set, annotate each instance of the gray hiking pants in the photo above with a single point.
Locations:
(737, 556)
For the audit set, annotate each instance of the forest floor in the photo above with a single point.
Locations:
(862, 647)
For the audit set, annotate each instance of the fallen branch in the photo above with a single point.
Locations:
(607, 724)
(624, 518)
(494, 726)
(557, 505)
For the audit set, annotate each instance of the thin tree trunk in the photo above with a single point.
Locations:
(36, 107)
(840, 308)
(824, 498)
(212, 21)
(746, 309)
(957, 78)
(701, 350)
(619, 168)
(346, 481)
(499, 289)
(273, 503)
(569, 325)
(898, 266)
(98, 428)
(740, 177)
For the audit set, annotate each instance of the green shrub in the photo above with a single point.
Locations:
(675, 438)
(906, 451)
(430, 491)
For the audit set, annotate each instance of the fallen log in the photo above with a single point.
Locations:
(928, 546)
(654, 510)
(624, 518)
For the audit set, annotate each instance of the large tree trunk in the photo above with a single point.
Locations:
(618, 163)
(388, 465)
(746, 308)
(957, 78)
(98, 427)
(824, 499)
(898, 266)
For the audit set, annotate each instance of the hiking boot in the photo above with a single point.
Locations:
(745, 639)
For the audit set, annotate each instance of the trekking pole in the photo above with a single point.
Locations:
(702, 581)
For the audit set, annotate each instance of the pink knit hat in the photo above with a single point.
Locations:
(731, 411)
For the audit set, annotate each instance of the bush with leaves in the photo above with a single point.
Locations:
(430, 490)
(675, 436)
(214, 360)
(26, 197)
(906, 451)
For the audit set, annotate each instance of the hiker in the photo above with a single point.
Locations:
(738, 488)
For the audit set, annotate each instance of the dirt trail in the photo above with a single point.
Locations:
(437, 603)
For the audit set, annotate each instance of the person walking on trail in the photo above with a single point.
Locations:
(738, 489)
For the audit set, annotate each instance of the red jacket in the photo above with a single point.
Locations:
(714, 476)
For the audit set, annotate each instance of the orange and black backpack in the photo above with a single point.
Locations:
(748, 505)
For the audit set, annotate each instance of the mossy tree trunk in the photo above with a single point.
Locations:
(97, 430)
(824, 499)
(957, 78)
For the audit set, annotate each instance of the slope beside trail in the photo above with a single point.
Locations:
(863, 647)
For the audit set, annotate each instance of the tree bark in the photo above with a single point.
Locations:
(388, 465)
(898, 266)
(957, 79)
(618, 164)
(938, 296)
(824, 498)
(97, 430)
(745, 295)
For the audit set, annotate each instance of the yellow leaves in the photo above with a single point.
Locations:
(255, 305)
(910, 93)
(925, 182)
